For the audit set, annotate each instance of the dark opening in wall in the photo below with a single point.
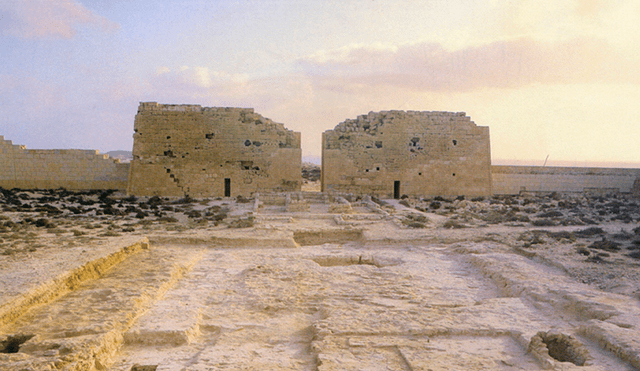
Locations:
(227, 187)
(454, 174)
(168, 171)
(378, 168)
(378, 144)
(419, 173)
(13, 342)
(246, 165)
(247, 142)
(414, 141)
(366, 170)
(455, 142)
(257, 143)
(209, 136)
(168, 137)
(169, 153)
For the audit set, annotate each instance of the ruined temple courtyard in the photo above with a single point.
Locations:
(99, 280)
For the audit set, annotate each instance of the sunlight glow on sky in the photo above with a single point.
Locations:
(556, 78)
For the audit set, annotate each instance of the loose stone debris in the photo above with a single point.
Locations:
(308, 281)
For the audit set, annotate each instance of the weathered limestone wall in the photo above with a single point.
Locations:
(199, 151)
(55, 168)
(392, 153)
(514, 179)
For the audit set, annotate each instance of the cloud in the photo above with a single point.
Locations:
(198, 82)
(502, 64)
(31, 19)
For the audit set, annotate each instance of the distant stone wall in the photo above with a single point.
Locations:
(516, 179)
(200, 151)
(393, 153)
(72, 169)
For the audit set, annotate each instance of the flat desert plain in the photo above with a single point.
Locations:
(312, 281)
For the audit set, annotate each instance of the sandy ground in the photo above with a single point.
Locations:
(100, 281)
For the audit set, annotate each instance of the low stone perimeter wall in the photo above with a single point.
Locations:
(59, 168)
(516, 179)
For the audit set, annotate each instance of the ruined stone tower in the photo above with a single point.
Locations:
(392, 153)
(199, 151)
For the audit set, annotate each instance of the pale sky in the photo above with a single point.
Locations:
(555, 78)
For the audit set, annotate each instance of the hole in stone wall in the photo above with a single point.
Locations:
(419, 173)
(366, 170)
(377, 168)
(246, 165)
(168, 137)
(209, 136)
(13, 342)
(247, 142)
(454, 174)
(257, 143)
(168, 171)
(378, 144)
(455, 142)
(169, 153)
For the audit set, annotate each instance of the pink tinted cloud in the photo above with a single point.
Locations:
(31, 19)
(502, 64)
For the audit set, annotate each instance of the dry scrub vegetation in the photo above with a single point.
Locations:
(29, 219)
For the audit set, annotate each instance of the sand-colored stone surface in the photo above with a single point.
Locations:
(381, 285)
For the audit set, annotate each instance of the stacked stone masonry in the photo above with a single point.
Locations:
(189, 150)
(393, 153)
(516, 179)
(72, 169)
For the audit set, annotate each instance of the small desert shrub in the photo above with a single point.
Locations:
(562, 235)
(453, 224)
(109, 234)
(243, 200)
(543, 223)
(550, 214)
(589, 232)
(606, 245)
(243, 222)
(43, 222)
(634, 254)
(583, 251)
(78, 233)
(168, 219)
(194, 214)
(415, 221)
